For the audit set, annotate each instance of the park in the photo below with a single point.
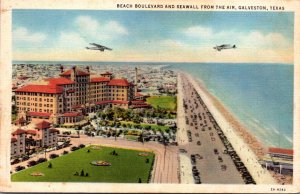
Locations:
(78, 166)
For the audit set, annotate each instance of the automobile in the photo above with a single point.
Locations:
(31, 163)
(223, 167)
(53, 156)
(18, 168)
(24, 158)
(15, 161)
(220, 159)
(193, 159)
(40, 160)
(216, 151)
(198, 143)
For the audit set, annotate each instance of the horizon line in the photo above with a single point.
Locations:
(65, 61)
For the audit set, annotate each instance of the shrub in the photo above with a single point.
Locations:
(50, 165)
(82, 173)
(65, 152)
(76, 173)
(86, 174)
(88, 151)
(147, 160)
(140, 180)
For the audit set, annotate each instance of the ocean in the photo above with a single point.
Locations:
(260, 96)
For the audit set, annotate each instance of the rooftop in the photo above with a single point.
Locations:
(49, 89)
(59, 81)
(118, 82)
(43, 125)
(78, 72)
(39, 114)
(100, 79)
(18, 132)
(281, 151)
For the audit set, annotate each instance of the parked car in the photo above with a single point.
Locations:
(31, 163)
(15, 161)
(18, 168)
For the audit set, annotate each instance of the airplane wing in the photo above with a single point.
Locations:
(107, 48)
(97, 45)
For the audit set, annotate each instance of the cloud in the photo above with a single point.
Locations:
(21, 34)
(70, 40)
(198, 32)
(253, 39)
(92, 29)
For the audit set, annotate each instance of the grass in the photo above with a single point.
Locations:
(127, 167)
(164, 102)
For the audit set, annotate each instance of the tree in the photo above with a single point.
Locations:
(50, 165)
(82, 173)
(140, 180)
(137, 119)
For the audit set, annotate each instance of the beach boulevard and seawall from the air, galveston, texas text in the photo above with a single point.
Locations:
(195, 139)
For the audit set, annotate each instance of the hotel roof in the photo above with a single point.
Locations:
(13, 140)
(59, 81)
(100, 79)
(78, 72)
(18, 132)
(72, 114)
(39, 114)
(118, 82)
(49, 89)
(106, 73)
(281, 151)
(43, 125)
(31, 131)
(54, 130)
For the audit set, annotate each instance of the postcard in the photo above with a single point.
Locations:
(149, 96)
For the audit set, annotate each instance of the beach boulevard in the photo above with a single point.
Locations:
(233, 133)
(199, 162)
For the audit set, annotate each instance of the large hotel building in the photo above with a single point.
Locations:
(65, 99)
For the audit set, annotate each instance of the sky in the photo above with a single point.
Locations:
(153, 36)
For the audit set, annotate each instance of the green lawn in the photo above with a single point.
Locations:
(164, 102)
(127, 167)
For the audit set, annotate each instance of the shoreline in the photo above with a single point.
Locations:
(239, 137)
(256, 146)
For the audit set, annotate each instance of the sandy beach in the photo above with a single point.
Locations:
(245, 145)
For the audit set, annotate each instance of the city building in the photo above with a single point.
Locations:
(279, 160)
(23, 141)
(17, 143)
(65, 99)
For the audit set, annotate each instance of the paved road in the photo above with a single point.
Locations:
(197, 122)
